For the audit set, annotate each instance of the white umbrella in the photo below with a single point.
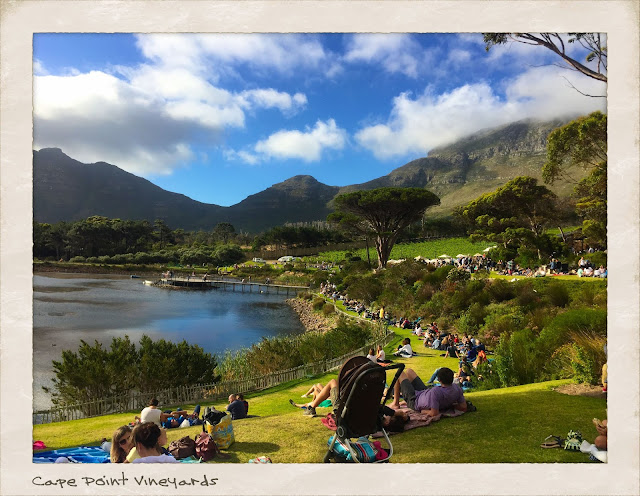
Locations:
(490, 248)
(478, 255)
(444, 256)
(460, 255)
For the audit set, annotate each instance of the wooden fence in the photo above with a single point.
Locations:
(198, 393)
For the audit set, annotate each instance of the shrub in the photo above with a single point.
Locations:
(458, 274)
(328, 309)
(318, 303)
(93, 260)
(77, 259)
(501, 290)
(515, 360)
(557, 294)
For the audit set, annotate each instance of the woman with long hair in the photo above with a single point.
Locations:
(149, 439)
(121, 444)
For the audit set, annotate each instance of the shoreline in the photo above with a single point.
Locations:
(311, 320)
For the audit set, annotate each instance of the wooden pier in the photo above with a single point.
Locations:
(191, 282)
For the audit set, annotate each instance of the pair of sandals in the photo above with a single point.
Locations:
(551, 442)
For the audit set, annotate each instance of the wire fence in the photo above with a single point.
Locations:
(198, 393)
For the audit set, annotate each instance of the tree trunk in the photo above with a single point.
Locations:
(366, 240)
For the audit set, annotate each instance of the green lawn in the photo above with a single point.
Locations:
(508, 426)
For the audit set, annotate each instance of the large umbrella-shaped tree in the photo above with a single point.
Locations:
(384, 212)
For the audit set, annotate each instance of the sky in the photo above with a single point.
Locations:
(219, 117)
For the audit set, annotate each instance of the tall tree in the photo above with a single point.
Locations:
(594, 42)
(582, 144)
(223, 231)
(516, 214)
(386, 212)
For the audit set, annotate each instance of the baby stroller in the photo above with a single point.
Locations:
(357, 412)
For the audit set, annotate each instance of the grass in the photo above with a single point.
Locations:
(426, 249)
(508, 427)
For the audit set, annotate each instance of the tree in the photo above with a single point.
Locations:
(386, 212)
(223, 231)
(95, 372)
(554, 42)
(582, 144)
(516, 214)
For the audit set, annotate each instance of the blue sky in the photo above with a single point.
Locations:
(221, 117)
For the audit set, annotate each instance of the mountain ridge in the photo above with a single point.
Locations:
(66, 189)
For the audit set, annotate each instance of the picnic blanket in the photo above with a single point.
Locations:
(417, 419)
(80, 454)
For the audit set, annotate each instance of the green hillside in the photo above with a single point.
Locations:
(508, 426)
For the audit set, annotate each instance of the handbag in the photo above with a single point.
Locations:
(222, 432)
(182, 448)
(365, 451)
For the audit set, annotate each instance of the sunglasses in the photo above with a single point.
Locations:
(124, 440)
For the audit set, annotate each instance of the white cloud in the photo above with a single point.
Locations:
(147, 121)
(307, 146)
(270, 98)
(394, 52)
(242, 156)
(38, 68)
(416, 125)
(283, 53)
(458, 56)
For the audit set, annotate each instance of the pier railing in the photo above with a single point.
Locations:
(199, 393)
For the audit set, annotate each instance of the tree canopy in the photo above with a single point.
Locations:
(593, 42)
(97, 372)
(516, 214)
(385, 212)
(582, 143)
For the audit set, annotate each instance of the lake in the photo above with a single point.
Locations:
(71, 307)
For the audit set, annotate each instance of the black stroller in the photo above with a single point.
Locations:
(357, 412)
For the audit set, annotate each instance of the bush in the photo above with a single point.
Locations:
(328, 309)
(318, 303)
(458, 274)
(77, 259)
(557, 294)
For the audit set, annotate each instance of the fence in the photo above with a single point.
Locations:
(197, 393)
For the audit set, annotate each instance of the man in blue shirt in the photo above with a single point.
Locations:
(236, 408)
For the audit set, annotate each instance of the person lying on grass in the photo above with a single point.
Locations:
(153, 414)
(392, 420)
(428, 400)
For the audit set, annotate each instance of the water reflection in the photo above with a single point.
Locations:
(104, 307)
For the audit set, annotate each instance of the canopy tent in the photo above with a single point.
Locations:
(490, 248)
(460, 255)
(444, 256)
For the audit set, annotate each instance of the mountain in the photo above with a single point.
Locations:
(482, 162)
(65, 189)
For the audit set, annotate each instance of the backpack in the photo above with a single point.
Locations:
(212, 416)
(206, 447)
(182, 448)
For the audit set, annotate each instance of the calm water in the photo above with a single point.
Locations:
(71, 307)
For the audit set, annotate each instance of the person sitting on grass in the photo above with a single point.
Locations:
(430, 401)
(405, 350)
(240, 397)
(371, 356)
(149, 439)
(236, 408)
(121, 444)
(381, 356)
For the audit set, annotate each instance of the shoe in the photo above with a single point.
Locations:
(471, 407)
(310, 412)
(293, 403)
